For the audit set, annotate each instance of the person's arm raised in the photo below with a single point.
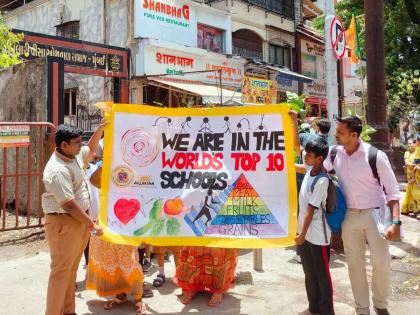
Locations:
(294, 117)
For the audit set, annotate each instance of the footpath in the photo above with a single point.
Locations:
(277, 290)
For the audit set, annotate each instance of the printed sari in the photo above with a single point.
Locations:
(206, 269)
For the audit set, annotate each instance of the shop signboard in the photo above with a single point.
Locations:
(171, 63)
(169, 20)
(259, 91)
(313, 66)
(232, 71)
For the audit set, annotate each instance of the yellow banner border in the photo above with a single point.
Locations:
(282, 109)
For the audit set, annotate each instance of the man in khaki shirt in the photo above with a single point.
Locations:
(67, 224)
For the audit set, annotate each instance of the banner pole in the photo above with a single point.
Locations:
(258, 264)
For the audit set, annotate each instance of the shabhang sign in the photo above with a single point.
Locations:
(221, 177)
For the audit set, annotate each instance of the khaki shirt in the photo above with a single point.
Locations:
(65, 179)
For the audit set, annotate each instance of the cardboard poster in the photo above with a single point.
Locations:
(259, 91)
(221, 177)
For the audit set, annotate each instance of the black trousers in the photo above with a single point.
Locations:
(315, 262)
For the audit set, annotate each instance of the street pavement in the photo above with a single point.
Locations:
(278, 289)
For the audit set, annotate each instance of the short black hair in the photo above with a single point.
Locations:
(66, 133)
(353, 123)
(318, 146)
(324, 125)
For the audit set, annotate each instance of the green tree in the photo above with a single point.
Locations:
(402, 49)
(403, 95)
(8, 39)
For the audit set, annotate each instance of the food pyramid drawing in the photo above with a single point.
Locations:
(240, 212)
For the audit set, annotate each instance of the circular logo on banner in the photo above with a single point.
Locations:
(338, 38)
(122, 176)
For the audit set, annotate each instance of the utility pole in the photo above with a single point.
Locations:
(330, 70)
(375, 70)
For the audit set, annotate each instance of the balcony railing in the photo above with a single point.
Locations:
(284, 8)
(244, 52)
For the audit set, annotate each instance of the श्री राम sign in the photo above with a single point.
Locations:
(221, 177)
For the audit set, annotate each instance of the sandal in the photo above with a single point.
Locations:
(159, 281)
(120, 299)
(215, 299)
(141, 308)
(186, 297)
(147, 291)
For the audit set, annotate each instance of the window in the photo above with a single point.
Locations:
(280, 56)
(68, 29)
(70, 97)
(209, 38)
(6, 6)
(247, 43)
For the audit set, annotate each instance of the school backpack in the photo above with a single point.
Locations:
(335, 207)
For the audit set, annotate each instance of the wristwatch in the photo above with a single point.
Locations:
(396, 222)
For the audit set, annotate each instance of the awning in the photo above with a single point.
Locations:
(209, 93)
(287, 74)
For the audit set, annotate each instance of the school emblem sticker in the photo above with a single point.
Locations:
(122, 176)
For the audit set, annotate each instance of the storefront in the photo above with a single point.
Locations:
(181, 57)
(311, 63)
(187, 77)
(286, 80)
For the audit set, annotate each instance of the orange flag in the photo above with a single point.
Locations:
(352, 38)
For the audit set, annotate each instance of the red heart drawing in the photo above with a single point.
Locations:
(126, 210)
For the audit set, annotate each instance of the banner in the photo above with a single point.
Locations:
(260, 91)
(221, 177)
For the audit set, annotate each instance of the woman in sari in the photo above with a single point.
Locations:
(205, 269)
(114, 270)
(411, 201)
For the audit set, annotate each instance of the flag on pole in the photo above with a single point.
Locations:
(352, 37)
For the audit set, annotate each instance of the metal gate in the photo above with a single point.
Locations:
(25, 147)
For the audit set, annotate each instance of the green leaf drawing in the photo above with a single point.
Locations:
(158, 227)
(172, 226)
(156, 211)
(145, 228)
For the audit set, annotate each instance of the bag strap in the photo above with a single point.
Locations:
(333, 153)
(324, 226)
(317, 177)
(372, 157)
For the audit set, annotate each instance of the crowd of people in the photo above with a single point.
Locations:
(72, 179)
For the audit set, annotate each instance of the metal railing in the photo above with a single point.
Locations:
(85, 120)
(21, 169)
(284, 8)
(245, 52)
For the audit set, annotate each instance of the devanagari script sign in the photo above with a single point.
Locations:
(221, 177)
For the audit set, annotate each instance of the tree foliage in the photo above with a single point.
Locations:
(404, 95)
(8, 39)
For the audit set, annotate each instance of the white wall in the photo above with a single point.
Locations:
(255, 18)
(352, 81)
